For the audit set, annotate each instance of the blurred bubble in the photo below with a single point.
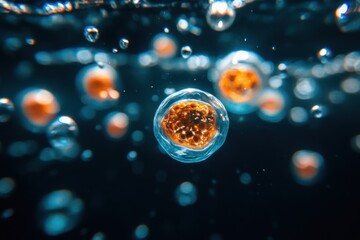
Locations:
(307, 167)
(336, 97)
(91, 33)
(6, 109)
(62, 132)
(169, 91)
(141, 232)
(220, 15)
(298, 115)
(318, 111)
(116, 125)
(355, 143)
(245, 178)
(137, 137)
(30, 41)
(347, 16)
(86, 155)
(215, 236)
(7, 186)
(324, 55)
(186, 194)
(87, 112)
(59, 212)
(306, 88)
(133, 111)
(22, 148)
(132, 156)
(98, 236)
(186, 52)
(124, 43)
(350, 85)
(7, 213)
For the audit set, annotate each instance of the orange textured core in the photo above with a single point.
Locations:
(100, 87)
(239, 84)
(39, 111)
(190, 124)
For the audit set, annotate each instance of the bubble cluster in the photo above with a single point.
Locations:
(59, 212)
(186, 194)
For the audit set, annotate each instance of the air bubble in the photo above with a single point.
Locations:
(318, 111)
(6, 109)
(186, 52)
(220, 15)
(62, 133)
(124, 43)
(91, 33)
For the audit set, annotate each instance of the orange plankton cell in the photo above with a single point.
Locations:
(239, 84)
(190, 124)
(39, 107)
(164, 46)
(307, 166)
(116, 125)
(99, 84)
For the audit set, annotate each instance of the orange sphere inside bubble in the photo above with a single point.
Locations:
(239, 84)
(164, 46)
(190, 124)
(271, 103)
(116, 125)
(99, 84)
(39, 107)
(306, 167)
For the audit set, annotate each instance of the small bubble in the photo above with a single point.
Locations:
(141, 231)
(7, 186)
(30, 41)
(166, 30)
(132, 156)
(91, 33)
(86, 155)
(186, 52)
(324, 55)
(137, 137)
(245, 178)
(123, 43)
(318, 111)
(6, 109)
(98, 236)
(114, 50)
